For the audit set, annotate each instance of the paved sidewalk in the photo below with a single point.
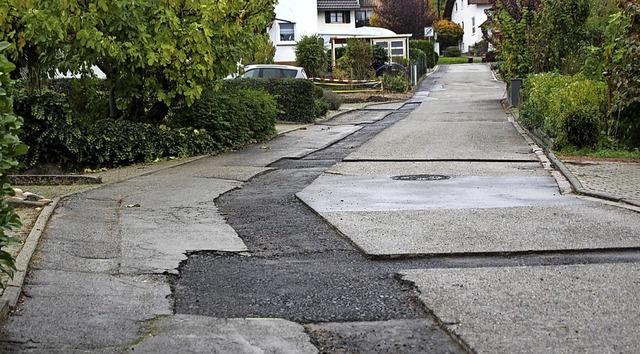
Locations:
(617, 180)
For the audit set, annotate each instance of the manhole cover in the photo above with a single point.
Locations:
(420, 178)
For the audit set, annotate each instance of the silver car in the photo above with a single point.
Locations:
(273, 71)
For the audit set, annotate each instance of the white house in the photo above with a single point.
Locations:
(297, 18)
(294, 19)
(334, 21)
(470, 15)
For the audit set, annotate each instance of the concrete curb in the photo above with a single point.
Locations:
(11, 293)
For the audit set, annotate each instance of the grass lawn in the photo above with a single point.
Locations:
(457, 60)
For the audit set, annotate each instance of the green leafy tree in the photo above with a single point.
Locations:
(310, 54)
(10, 148)
(153, 53)
(563, 34)
(263, 51)
(514, 33)
(449, 33)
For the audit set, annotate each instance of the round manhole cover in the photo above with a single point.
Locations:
(420, 178)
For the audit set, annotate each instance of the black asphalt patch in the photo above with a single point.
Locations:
(299, 268)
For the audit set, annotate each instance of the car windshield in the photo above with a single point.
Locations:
(269, 73)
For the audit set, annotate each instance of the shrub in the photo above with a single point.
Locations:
(380, 57)
(395, 83)
(419, 58)
(583, 128)
(10, 148)
(321, 107)
(359, 54)
(233, 117)
(452, 52)
(491, 56)
(333, 99)
(294, 96)
(217, 122)
(310, 55)
(429, 50)
(50, 128)
(563, 105)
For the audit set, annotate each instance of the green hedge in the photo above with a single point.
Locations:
(294, 96)
(217, 122)
(428, 48)
(570, 109)
(452, 52)
(234, 117)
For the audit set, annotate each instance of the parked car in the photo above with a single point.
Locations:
(273, 71)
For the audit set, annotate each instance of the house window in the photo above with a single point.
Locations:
(395, 49)
(287, 32)
(337, 17)
(473, 25)
(362, 17)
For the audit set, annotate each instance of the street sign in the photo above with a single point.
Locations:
(428, 32)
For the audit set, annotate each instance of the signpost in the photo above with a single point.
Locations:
(428, 32)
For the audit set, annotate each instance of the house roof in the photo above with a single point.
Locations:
(338, 4)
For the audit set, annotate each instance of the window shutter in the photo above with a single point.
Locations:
(327, 17)
(347, 16)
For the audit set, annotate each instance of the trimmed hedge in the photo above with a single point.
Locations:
(294, 96)
(429, 50)
(217, 122)
(452, 52)
(570, 109)
(233, 117)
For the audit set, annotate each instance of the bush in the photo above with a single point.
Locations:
(395, 83)
(359, 59)
(429, 50)
(321, 107)
(419, 58)
(217, 122)
(294, 96)
(569, 109)
(583, 128)
(233, 117)
(491, 56)
(50, 128)
(310, 55)
(333, 99)
(452, 52)
(10, 148)
(380, 58)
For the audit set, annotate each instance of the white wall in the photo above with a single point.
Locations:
(462, 13)
(301, 12)
(328, 30)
